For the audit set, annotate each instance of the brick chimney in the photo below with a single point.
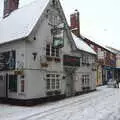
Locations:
(75, 23)
(9, 6)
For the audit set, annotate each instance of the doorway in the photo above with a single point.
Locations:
(69, 73)
(3, 85)
(6, 79)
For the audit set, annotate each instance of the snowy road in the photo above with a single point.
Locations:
(104, 104)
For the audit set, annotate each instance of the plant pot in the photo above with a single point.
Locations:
(49, 58)
(57, 60)
(44, 65)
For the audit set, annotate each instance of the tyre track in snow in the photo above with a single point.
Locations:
(56, 109)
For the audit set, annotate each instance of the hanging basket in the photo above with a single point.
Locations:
(19, 72)
(44, 65)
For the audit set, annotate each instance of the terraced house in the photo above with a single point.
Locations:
(39, 56)
(106, 59)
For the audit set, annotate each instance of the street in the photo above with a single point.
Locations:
(103, 104)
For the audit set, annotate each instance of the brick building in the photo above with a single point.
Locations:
(106, 60)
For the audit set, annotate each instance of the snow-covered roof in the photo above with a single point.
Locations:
(21, 22)
(113, 50)
(81, 45)
(96, 42)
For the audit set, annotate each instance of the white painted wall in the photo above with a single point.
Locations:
(19, 47)
(36, 81)
(34, 75)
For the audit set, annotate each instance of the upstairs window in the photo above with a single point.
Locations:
(48, 49)
(51, 51)
(85, 60)
(5, 3)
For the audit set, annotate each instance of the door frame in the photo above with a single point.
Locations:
(69, 71)
(6, 77)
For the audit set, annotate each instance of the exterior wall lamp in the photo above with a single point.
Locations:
(34, 55)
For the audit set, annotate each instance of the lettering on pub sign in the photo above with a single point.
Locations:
(71, 61)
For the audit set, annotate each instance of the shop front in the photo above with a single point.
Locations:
(110, 74)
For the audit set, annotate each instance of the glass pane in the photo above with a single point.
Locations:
(53, 51)
(48, 83)
(53, 75)
(13, 83)
(48, 75)
(53, 83)
(57, 83)
(1, 77)
(57, 75)
(22, 85)
(48, 50)
(57, 52)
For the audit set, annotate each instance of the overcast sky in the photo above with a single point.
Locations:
(99, 19)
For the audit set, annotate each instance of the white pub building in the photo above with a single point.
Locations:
(39, 56)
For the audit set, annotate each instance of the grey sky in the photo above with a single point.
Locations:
(99, 19)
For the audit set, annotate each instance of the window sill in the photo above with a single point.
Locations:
(12, 91)
(57, 60)
(86, 88)
(53, 92)
(51, 58)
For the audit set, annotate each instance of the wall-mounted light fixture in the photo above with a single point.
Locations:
(34, 55)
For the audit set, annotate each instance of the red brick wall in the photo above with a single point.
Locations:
(9, 6)
(109, 58)
(75, 23)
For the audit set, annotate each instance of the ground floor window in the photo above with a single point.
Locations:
(85, 80)
(53, 81)
(1, 78)
(13, 83)
(22, 85)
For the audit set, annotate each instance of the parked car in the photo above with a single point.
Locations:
(112, 83)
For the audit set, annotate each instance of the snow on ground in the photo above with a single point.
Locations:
(103, 104)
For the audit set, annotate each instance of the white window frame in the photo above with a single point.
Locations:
(55, 51)
(53, 76)
(85, 80)
(85, 59)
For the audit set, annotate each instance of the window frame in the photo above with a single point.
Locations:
(51, 51)
(56, 85)
(85, 80)
(85, 59)
(13, 83)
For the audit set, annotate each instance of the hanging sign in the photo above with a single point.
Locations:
(58, 36)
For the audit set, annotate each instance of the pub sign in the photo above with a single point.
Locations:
(71, 61)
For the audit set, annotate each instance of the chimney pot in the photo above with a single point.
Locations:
(75, 23)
